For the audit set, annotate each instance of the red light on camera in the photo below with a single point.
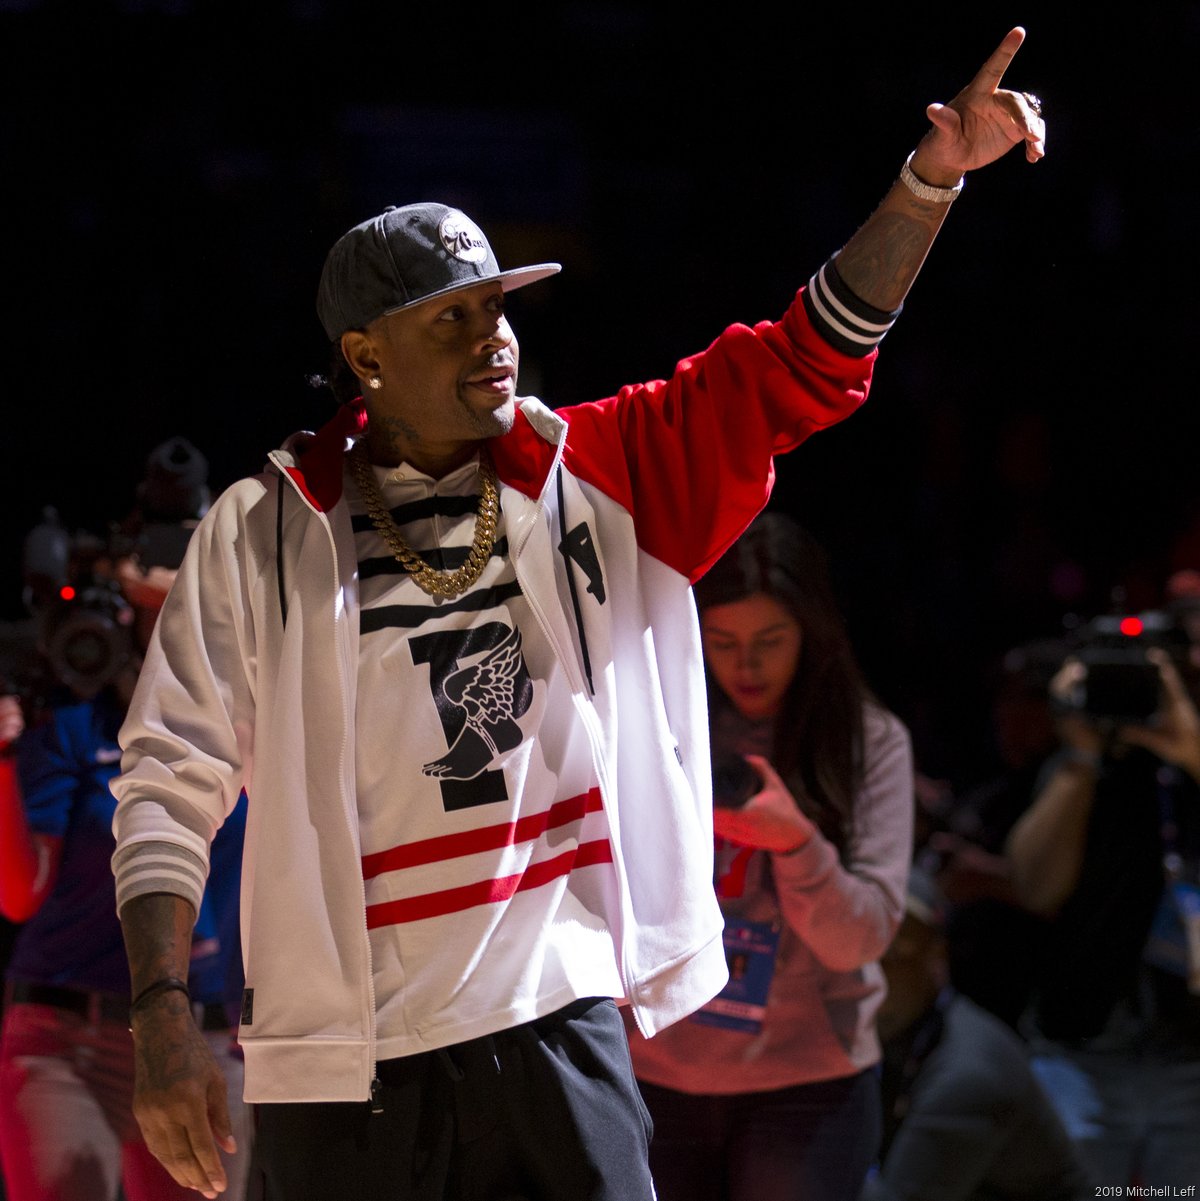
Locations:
(1131, 627)
(67, 592)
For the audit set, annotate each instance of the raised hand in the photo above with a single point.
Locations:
(982, 123)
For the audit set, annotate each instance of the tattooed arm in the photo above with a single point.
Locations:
(179, 1091)
(979, 125)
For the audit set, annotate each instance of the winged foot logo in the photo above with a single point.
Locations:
(489, 695)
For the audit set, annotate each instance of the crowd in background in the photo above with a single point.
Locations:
(975, 519)
(1008, 962)
(67, 1125)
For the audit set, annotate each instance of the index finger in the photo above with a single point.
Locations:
(992, 72)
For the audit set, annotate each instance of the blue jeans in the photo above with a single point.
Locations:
(1134, 1114)
(811, 1142)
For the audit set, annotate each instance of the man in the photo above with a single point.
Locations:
(497, 751)
(1108, 856)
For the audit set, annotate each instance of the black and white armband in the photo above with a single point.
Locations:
(847, 323)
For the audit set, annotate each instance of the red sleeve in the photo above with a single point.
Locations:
(691, 457)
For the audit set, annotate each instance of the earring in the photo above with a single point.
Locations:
(376, 382)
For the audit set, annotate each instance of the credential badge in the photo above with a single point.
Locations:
(462, 238)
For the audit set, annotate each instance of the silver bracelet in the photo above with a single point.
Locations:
(926, 191)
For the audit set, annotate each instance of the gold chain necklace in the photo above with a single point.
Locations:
(429, 579)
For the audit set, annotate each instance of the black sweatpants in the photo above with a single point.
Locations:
(545, 1111)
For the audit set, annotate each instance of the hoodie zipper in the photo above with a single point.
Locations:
(375, 1088)
(587, 715)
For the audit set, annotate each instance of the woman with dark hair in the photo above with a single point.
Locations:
(771, 1090)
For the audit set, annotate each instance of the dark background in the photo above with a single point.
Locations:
(174, 171)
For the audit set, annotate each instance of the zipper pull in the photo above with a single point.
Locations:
(376, 1096)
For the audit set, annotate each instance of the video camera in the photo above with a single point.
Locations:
(1122, 684)
(84, 624)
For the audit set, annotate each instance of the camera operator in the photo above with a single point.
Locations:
(67, 1129)
(1108, 855)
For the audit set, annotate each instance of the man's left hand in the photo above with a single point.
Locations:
(981, 123)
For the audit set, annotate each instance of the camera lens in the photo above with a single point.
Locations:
(87, 641)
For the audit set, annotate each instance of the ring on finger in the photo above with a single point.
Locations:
(1034, 103)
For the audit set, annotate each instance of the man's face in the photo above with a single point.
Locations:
(448, 369)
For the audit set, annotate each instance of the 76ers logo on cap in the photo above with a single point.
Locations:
(462, 238)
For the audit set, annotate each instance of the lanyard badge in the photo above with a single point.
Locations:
(750, 950)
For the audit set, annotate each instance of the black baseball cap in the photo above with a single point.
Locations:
(404, 256)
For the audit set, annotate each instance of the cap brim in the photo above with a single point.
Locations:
(510, 281)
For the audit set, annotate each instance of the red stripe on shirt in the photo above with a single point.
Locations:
(487, 892)
(485, 838)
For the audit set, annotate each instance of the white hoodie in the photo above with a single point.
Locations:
(232, 695)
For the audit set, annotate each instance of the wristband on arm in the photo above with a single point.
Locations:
(166, 984)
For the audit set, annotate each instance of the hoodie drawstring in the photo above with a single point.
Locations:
(283, 612)
(564, 550)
